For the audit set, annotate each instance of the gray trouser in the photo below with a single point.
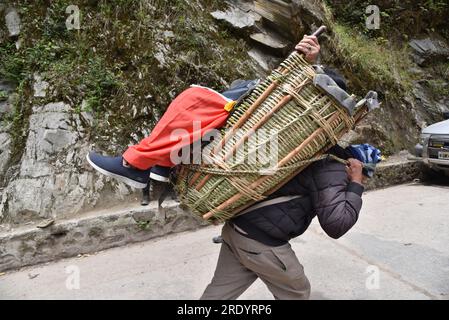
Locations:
(243, 260)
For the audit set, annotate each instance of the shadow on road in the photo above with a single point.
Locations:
(434, 179)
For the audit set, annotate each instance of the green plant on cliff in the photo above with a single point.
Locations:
(378, 62)
(399, 19)
(438, 87)
(125, 64)
(381, 57)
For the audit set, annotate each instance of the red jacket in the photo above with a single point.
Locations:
(194, 112)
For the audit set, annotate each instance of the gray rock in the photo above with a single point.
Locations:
(58, 139)
(48, 134)
(270, 40)
(428, 50)
(29, 199)
(307, 15)
(277, 12)
(395, 170)
(18, 44)
(237, 18)
(52, 107)
(443, 106)
(424, 101)
(5, 151)
(7, 97)
(13, 23)
(5, 107)
(88, 117)
(33, 194)
(244, 5)
(160, 55)
(260, 58)
(265, 61)
(54, 180)
(349, 138)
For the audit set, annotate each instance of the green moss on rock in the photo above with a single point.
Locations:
(125, 64)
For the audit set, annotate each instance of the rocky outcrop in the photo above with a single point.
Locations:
(6, 107)
(429, 50)
(238, 17)
(72, 100)
(418, 104)
(12, 21)
(5, 150)
(271, 28)
(53, 180)
(6, 98)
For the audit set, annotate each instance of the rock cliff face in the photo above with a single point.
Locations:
(408, 67)
(64, 92)
(52, 176)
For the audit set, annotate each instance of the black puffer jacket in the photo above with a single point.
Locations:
(326, 192)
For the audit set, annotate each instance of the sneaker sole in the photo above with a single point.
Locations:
(159, 178)
(128, 181)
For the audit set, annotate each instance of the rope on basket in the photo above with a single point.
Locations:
(325, 126)
(231, 172)
(237, 183)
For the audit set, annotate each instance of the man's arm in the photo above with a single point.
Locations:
(337, 198)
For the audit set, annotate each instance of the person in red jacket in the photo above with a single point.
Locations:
(195, 112)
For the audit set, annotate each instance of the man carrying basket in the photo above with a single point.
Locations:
(255, 243)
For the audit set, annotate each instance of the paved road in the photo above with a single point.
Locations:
(398, 250)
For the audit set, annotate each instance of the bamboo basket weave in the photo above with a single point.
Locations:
(307, 122)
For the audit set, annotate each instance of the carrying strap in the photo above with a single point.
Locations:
(269, 202)
(263, 171)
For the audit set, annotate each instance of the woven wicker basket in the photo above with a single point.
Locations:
(307, 122)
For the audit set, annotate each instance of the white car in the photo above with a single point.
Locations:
(433, 147)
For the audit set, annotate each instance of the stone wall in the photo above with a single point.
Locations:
(90, 233)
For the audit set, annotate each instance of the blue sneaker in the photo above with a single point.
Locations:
(160, 173)
(240, 89)
(113, 167)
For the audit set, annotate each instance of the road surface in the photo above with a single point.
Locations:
(399, 249)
